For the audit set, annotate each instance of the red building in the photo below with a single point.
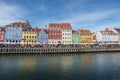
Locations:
(2, 29)
(55, 33)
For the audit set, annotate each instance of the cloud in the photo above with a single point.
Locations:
(75, 3)
(93, 16)
(108, 25)
(10, 13)
(94, 20)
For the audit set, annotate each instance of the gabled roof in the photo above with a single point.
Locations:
(19, 24)
(84, 31)
(32, 29)
(107, 32)
(55, 24)
(61, 25)
(47, 31)
(66, 26)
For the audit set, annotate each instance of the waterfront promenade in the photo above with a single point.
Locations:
(37, 50)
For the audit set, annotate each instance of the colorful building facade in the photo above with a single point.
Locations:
(60, 33)
(117, 31)
(29, 36)
(42, 36)
(2, 29)
(54, 33)
(107, 36)
(24, 25)
(66, 33)
(75, 37)
(13, 32)
(85, 36)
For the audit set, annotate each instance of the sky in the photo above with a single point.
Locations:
(87, 14)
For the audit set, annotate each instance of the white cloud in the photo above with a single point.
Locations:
(94, 19)
(10, 13)
(108, 25)
(92, 16)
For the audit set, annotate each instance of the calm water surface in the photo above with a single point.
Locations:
(99, 66)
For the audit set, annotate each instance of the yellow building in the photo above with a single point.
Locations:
(118, 37)
(85, 36)
(29, 36)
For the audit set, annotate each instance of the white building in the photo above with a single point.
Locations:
(117, 31)
(106, 36)
(60, 33)
(66, 33)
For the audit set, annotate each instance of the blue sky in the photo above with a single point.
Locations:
(89, 14)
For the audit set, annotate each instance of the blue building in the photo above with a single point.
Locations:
(13, 32)
(42, 36)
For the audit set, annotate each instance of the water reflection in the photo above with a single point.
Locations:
(66, 62)
(99, 66)
(86, 61)
(27, 63)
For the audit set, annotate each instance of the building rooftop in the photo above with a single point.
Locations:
(108, 32)
(33, 29)
(61, 25)
(19, 24)
(84, 31)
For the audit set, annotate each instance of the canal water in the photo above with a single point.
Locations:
(85, 66)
